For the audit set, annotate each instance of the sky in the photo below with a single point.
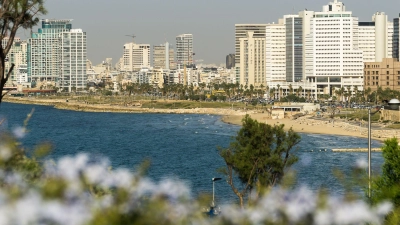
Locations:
(212, 22)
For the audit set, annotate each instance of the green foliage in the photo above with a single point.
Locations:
(293, 98)
(259, 156)
(387, 186)
(15, 14)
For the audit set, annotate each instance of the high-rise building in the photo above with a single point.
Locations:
(230, 61)
(252, 60)
(366, 40)
(396, 37)
(184, 49)
(375, 38)
(306, 16)
(58, 53)
(294, 48)
(16, 56)
(241, 31)
(275, 52)
(333, 58)
(135, 57)
(73, 60)
(163, 57)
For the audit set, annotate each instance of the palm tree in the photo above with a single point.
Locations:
(367, 92)
(290, 89)
(262, 89)
(251, 91)
(272, 92)
(279, 89)
(300, 89)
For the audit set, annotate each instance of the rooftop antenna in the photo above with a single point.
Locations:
(133, 37)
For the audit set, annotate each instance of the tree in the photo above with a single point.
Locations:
(259, 155)
(15, 14)
(386, 187)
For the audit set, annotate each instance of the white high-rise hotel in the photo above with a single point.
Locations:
(333, 58)
(135, 57)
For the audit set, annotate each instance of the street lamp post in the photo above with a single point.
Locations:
(369, 149)
(213, 180)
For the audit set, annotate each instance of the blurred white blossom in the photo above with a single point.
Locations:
(19, 132)
(361, 163)
(79, 206)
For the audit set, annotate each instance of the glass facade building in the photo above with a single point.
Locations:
(396, 34)
(57, 54)
(294, 49)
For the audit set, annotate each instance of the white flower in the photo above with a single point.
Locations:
(19, 132)
(384, 208)
(122, 178)
(95, 173)
(70, 168)
(361, 163)
(173, 188)
(5, 152)
(322, 217)
(354, 213)
(300, 203)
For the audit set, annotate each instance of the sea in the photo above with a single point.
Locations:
(179, 146)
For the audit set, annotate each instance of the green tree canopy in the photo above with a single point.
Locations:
(259, 156)
(387, 186)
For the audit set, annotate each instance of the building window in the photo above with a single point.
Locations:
(387, 72)
(387, 83)
(387, 77)
(387, 66)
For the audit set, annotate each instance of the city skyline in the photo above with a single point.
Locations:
(154, 22)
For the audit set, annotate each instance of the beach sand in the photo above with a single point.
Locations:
(297, 125)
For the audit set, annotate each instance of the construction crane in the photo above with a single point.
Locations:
(132, 36)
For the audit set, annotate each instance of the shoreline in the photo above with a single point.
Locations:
(305, 124)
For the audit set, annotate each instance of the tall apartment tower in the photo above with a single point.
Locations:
(375, 38)
(275, 52)
(73, 60)
(184, 49)
(16, 56)
(381, 36)
(306, 30)
(58, 53)
(242, 32)
(252, 60)
(396, 37)
(230, 61)
(135, 57)
(294, 48)
(333, 58)
(163, 57)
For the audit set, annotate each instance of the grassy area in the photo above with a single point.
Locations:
(157, 103)
(360, 115)
(394, 126)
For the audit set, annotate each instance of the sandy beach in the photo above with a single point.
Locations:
(305, 124)
(299, 126)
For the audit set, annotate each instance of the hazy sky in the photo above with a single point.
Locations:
(212, 22)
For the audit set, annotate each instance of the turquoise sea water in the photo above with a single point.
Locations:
(181, 146)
